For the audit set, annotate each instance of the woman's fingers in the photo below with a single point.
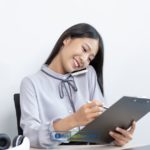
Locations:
(133, 126)
(89, 112)
(122, 136)
(98, 103)
(118, 136)
(120, 140)
(95, 106)
(124, 133)
(95, 103)
(96, 109)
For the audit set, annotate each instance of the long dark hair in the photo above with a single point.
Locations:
(80, 31)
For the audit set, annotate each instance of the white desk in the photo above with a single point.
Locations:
(91, 147)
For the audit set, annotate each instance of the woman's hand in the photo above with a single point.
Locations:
(122, 136)
(83, 116)
(88, 112)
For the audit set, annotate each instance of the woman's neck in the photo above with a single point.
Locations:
(56, 65)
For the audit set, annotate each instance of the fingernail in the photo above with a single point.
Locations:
(117, 129)
(111, 133)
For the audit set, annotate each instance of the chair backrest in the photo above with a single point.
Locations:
(18, 112)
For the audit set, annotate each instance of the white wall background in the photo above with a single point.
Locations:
(30, 28)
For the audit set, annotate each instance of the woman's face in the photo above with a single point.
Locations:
(77, 53)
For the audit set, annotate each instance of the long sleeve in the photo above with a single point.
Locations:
(36, 130)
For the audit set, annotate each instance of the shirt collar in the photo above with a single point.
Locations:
(51, 72)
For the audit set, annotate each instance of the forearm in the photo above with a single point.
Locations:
(66, 123)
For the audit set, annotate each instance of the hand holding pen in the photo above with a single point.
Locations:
(99, 104)
(88, 112)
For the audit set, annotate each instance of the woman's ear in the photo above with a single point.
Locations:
(66, 41)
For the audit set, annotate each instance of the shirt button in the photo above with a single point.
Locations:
(70, 111)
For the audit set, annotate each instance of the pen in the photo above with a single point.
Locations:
(101, 106)
(104, 107)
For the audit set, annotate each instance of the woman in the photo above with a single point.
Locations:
(56, 99)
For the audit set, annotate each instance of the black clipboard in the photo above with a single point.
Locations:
(120, 114)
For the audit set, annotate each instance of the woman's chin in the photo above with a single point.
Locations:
(70, 70)
(73, 69)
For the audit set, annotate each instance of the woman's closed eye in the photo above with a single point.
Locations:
(84, 49)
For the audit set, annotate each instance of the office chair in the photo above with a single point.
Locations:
(18, 112)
